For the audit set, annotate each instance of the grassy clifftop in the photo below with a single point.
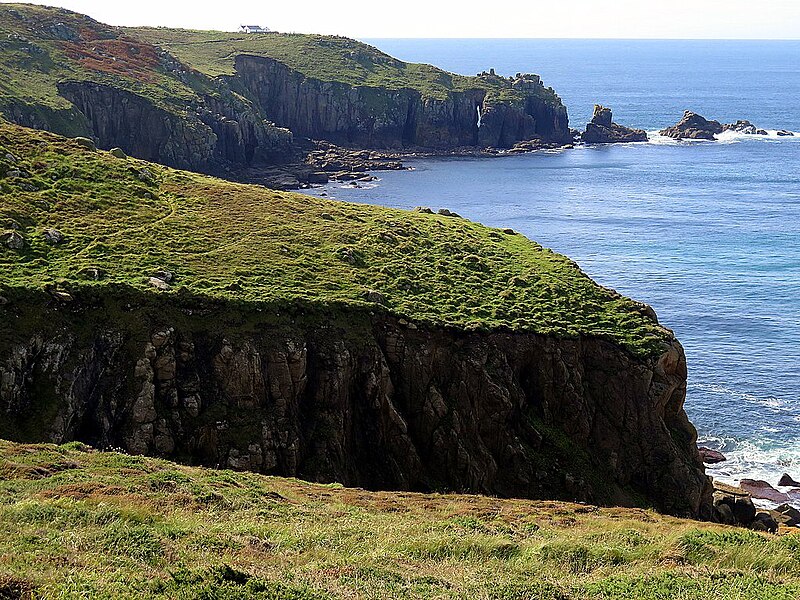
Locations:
(123, 221)
(327, 58)
(75, 523)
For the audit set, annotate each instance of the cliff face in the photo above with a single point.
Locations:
(386, 118)
(376, 403)
(222, 132)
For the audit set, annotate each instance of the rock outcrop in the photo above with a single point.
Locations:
(744, 126)
(602, 130)
(380, 403)
(693, 127)
(222, 133)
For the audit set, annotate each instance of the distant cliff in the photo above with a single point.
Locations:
(396, 118)
(231, 101)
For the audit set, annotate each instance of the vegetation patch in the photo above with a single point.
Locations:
(280, 539)
(124, 224)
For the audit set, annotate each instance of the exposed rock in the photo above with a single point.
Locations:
(711, 457)
(786, 480)
(764, 521)
(423, 209)
(448, 213)
(763, 490)
(785, 133)
(742, 126)
(158, 283)
(13, 239)
(118, 153)
(91, 273)
(693, 126)
(509, 231)
(62, 295)
(374, 404)
(53, 236)
(375, 296)
(164, 275)
(790, 516)
(744, 511)
(85, 142)
(601, 129)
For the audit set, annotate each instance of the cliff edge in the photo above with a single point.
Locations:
(173, 314)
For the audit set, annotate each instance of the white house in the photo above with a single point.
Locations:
(254, 29)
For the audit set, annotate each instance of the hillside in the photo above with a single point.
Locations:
(216, 102)
(226, 241)
(174, 314)
(80, 523)
(326, 58)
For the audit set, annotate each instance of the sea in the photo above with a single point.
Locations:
(708, 233)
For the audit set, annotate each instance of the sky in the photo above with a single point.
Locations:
(692, 19)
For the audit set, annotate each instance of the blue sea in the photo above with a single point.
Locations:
(708, 233)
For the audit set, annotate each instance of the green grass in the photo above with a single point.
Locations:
(34, 60)
(327, 58)
(241, 243)
(79, 523)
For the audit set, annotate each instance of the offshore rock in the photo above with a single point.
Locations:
(381, 403)
(602, 130)
(694, 127)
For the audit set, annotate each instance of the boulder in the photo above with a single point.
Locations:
(85, 142)
(711, 457)
(694, 127)
(159, 284)
(786, 480)
(762, 490)
(744, 510)
(789, 515)
(423, 209)
(118, 153)
(13, 239)
(53, 236)
(784, 133)
(764, 521)
(449, 213)
(602, 130)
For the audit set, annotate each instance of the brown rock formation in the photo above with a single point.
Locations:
(602, 130)
(694, 127)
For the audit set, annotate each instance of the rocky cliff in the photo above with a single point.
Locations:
(174, 314)
(74, 76)
(396, 118)
(378, 403)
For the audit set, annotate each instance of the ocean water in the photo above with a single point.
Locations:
(708, 233)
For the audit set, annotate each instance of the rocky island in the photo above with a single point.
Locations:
(602, 130)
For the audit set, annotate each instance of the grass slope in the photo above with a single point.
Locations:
(327, 58)
(76, 523)
(245, 243)
(42, 46)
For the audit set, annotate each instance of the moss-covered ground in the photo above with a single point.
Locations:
(124, 221)
(77, 523)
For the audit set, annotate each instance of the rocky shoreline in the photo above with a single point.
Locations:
(324, 161)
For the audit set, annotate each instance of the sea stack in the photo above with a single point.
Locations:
(602, 130)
